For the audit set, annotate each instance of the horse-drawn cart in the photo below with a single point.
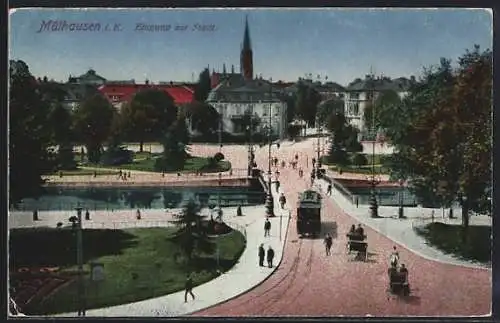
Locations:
(358, 245)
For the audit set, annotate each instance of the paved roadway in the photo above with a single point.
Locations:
(308, 283)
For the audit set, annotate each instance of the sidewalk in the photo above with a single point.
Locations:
(245, 275)
(401, 230)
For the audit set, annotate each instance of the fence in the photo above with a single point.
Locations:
(128, 224)
(341, 188)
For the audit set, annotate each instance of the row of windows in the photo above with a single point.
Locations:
(239, 109)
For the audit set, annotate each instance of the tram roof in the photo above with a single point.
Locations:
(309, 196)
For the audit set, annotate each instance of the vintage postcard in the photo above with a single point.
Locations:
(250, 162)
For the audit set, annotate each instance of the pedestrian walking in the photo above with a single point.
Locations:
(35, 215)
(329, 189)
(432, 215)
(262, 254)
(301, 172)
(277, 186)
(394, 258)
(188, 288)
(267, 228)
(296, 157)
(328, 243)
(87, 215)
(282, 200)
(138, 214)
(270, 257)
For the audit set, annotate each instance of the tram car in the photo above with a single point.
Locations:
(309, 213)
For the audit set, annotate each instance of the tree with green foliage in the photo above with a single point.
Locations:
(443, 134)
(203, 87)
(148, 114)
(202, 117)
(306, 102)
(174, 144)
(30, 134)
(359, 160)
(93, 120)
(382, 106)
(327, 108)
(344, 139)
(62, 123)
(192, 234)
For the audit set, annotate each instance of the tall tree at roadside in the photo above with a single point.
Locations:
(443, 134)
(203, 87)
(30, 134)
(306, 102)
(147, 115)
(93, 120)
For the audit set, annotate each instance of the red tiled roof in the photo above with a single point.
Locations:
(124, 92)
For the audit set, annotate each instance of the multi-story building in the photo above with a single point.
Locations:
(360, 93)
(237, 95)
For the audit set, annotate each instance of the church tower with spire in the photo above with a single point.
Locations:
(246, 59)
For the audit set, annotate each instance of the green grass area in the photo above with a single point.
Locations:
(192, 164)
(85, 172)
(450, 239)
(149, 255)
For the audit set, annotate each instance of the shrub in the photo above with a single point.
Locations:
(359, 160)
(218, 157)
(117, 156)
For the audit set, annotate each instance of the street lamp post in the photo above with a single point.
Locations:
(79, 260)
(373, 182)
(318, 150)
(250, 145)
(401, 192)
(269, 196)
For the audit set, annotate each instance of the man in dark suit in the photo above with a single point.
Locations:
(262, 254)
(270, 257)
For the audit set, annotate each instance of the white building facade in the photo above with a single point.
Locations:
(360, 93)
(254, 98)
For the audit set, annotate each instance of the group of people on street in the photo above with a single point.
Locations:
(269, 256)
(357, 234)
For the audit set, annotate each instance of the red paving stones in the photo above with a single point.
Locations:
(308, 283)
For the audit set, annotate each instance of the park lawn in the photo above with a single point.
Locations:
(147, 253)
(448, 238)
(192, 164)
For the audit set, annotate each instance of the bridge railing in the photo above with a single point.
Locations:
(128, 224)
(341, 188)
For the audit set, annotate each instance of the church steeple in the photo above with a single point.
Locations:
(246, 59)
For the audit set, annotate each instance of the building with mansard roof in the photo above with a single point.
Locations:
(361, 92)
(235, 95)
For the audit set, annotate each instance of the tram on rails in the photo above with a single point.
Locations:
(309, 213)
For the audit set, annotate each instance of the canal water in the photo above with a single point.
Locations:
(116, 198)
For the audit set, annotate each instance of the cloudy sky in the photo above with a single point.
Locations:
(340, 44)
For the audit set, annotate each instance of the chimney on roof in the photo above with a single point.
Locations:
(232, 69)
(224, 68)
